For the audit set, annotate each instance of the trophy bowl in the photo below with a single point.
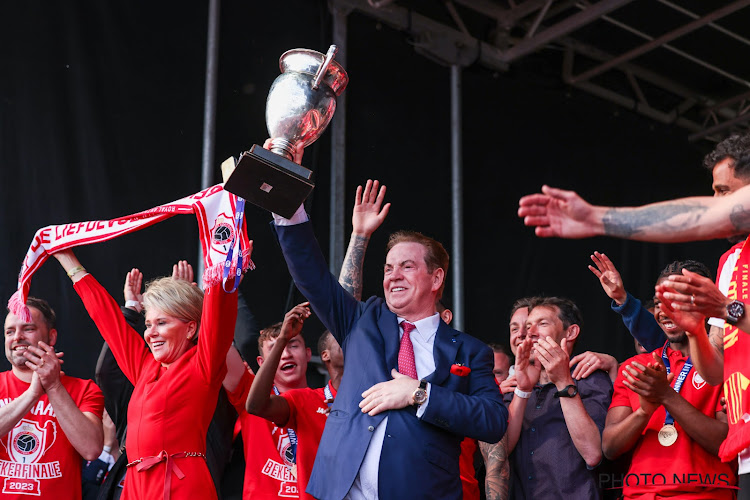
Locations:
(299, 107)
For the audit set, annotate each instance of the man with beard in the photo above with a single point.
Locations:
(49, 422)
(670, 417)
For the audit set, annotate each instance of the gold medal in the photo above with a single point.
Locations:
(293, 470)
(667, 435)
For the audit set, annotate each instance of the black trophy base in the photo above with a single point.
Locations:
(270, 181)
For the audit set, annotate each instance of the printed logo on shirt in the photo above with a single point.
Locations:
(280, 472)
(284, 445)
(323, 411)
(222, 233)
(26, 443)
(698, 381)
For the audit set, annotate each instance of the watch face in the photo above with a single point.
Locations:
(420, 396)
(736, 309)
(569, 392)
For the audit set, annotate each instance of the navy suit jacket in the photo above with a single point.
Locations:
(420, 456)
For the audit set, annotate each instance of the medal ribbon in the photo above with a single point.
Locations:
(292, 436)
(238, 215)
(669, 420)
(328, 394)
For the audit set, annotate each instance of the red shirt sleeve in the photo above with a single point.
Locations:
(620, 396)
(92, 400)
(216, 331)
(128, 347)
(239, 395)
(295, 399)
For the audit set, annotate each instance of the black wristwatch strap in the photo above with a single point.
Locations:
(569, 391)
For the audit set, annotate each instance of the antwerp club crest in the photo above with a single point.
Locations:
(698, 381)
(28, 441)
(222, 233)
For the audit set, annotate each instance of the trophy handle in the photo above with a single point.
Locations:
(323, 67)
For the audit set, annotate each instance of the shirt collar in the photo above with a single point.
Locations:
(426, 328)
(672, 353)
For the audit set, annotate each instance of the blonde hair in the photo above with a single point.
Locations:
(178, 298)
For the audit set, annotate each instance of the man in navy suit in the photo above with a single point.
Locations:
(390, 435)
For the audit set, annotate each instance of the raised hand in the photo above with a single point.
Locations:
(294, 320)
(559, 213)
(133, 285)
(183, 271)
(299, 150)
(555, 359)
(691, 292)
(368, 215)
(527, 374)
(693, 322)
(609, 277)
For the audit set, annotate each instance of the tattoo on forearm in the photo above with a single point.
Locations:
(351, 271)
(716, 336)
(497, 480)
(740, 218)
(625, 223)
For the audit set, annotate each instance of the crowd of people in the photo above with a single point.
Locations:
(413, 408)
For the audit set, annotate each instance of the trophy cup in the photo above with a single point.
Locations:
(299, 107)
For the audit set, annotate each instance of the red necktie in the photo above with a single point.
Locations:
(406, 363)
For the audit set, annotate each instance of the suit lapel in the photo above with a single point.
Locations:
(388, 326)
(447, 342)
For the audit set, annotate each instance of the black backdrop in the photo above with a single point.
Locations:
(101, 111)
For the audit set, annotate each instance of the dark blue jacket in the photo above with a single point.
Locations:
(419, 458)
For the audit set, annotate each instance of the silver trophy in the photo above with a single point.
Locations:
(299, 107)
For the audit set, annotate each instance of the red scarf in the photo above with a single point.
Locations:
(214, 208)
(736, 366)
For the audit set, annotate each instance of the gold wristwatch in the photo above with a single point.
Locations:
(419, 396)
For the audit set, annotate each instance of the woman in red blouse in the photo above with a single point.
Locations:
(177, 374)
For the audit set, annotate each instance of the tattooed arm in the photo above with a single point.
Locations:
(560, 213)
(497, 480)
(367, 216)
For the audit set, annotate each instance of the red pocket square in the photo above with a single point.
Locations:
(460, 370)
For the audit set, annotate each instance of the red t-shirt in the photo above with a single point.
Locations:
(307, 416)
(267, 474)
(36, 458)
(684, 469)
